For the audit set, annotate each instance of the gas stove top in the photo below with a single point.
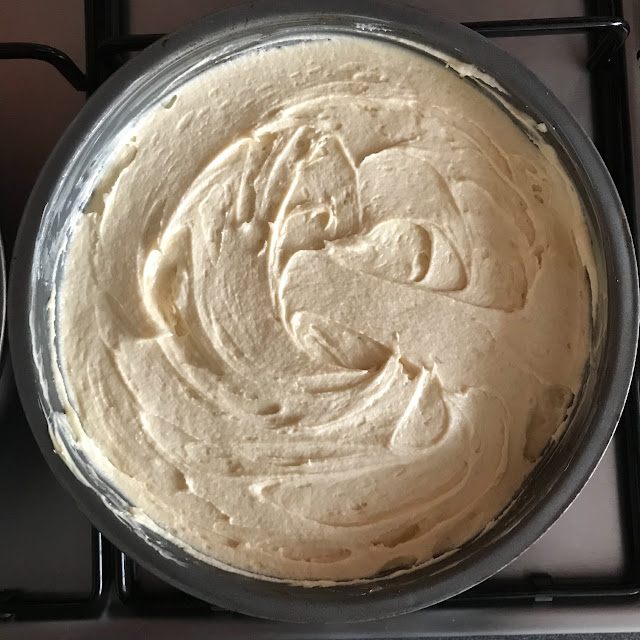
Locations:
(59, 576)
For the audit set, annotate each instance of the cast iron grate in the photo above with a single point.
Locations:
(19, 605)
(108, 46)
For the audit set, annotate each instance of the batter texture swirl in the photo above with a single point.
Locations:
(325, 310)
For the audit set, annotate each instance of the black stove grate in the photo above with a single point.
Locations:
(108, 46)
(17, 605)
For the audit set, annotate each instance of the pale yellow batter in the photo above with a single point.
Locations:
(325, 311)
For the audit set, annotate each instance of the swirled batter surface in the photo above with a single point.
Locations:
(325, 311)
